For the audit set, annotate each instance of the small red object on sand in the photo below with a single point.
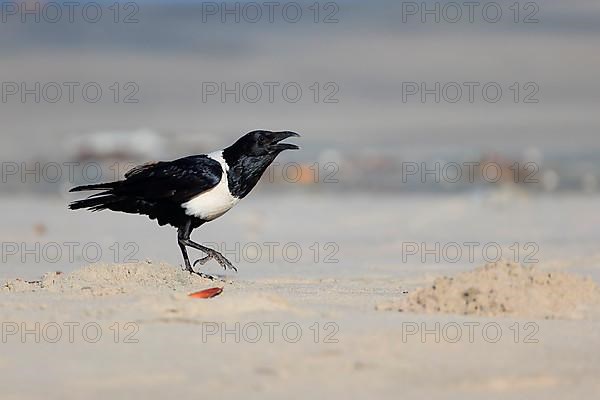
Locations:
(207, 293)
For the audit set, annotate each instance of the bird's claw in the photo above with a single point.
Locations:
(200, 274)
(205, 276)
(218, 257)
(202, 260)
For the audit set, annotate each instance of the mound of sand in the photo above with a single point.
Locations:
(144, 292)
(504, 289)
(101, 280)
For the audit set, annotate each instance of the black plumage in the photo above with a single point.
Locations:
(156, 190)
(190, 191)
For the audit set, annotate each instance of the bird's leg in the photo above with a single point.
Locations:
(186, 259)
(210, 253)
(181, 238)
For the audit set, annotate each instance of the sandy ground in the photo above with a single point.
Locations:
(298, 329)
(505, 288)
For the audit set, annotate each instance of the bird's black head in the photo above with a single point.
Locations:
(249, 157)
(263, 143)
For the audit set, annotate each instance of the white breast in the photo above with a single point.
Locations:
(214, 202)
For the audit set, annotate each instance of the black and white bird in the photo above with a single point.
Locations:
(191, 191)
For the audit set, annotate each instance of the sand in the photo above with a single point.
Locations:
(504, 288)
(173, 346)
(144, 292)
(105, 279)
(500, 289)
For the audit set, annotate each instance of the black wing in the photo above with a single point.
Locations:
(154, 189)
(178, 180)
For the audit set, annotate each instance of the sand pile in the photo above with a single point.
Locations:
(101, 280)
(143, 292)
(504, 289)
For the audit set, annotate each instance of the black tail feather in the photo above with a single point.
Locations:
(98, 186)
(97, 202)
(110, 201)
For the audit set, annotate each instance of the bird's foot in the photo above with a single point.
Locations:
(191, 270)
(218, 257)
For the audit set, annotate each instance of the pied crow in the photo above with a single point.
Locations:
(193, 190)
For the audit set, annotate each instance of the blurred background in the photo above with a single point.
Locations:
(416, 118)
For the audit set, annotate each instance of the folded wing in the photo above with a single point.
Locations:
(156, 189)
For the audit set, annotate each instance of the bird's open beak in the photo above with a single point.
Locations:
(279, 136)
